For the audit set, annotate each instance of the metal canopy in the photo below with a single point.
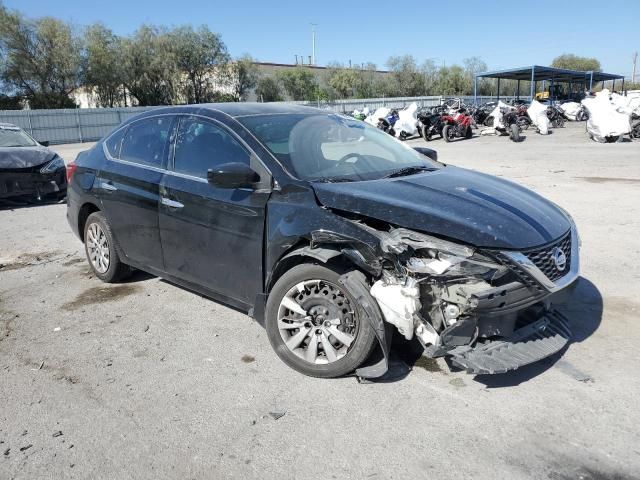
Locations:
(537, 73)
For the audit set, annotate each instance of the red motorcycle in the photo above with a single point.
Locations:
(457, 126)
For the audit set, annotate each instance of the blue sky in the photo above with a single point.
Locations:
(503, 33)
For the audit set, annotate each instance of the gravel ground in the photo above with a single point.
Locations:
(147, 380)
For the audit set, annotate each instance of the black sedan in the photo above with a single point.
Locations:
(330, 233)
(27, 168)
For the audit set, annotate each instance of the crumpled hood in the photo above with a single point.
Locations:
(470, 207)
(24, 157)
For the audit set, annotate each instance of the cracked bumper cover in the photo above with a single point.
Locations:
(531, 343)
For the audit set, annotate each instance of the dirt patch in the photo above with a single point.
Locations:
(429, 364)
(7, 319)
(248, 358)
(73, 261)
(630, 181)
(27, 260)
(96, 295)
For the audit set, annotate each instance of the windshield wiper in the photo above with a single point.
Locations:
(333, 180)
(409, 171)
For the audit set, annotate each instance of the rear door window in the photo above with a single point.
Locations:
(145, 141)
(202, 145)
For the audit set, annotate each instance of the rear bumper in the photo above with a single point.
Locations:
(16, 184)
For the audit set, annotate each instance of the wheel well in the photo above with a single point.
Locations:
(86, 210)
(286, 263)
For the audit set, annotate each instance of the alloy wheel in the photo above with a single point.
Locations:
(317, 322)
(98, 248)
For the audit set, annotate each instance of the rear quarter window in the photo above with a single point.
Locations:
(114, 142)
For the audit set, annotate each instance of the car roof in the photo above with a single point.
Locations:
(9, 125)
(241, 109)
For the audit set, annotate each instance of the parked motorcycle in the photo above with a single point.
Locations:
(523, 118)
(457, 126)
(482, 114)
(555, 116)
(407, 124)
(582, 115)
(429, 124)
(506, 121)
(387, 122)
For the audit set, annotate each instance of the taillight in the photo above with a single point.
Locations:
(71, 169)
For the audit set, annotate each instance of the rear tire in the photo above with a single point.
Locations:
(319, 304)
(101, 251)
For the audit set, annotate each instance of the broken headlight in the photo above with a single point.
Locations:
(55, 164)
(439, 263)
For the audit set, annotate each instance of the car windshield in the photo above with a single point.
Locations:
(321, 147)
(14, 137)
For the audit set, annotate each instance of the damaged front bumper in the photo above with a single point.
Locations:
(31, 182)
(489, 311)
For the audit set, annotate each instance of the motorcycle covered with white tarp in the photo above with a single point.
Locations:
(505, 122)
(538, 114)
(407, 124)
(609, 120)
(574, 111)
(375, 117)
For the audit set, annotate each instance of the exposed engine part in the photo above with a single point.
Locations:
(451, 312)
(399, 301)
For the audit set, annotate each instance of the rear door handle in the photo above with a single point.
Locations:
(170, 203)
(108, 186)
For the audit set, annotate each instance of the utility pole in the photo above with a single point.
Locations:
(313, 43)
(635, 61)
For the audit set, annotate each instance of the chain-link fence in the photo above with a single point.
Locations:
(91, 124)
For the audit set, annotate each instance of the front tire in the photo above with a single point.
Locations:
(447, 133)
(314, 323)
(426, 133)
(515, 132)
(100, 247)
(523, 123)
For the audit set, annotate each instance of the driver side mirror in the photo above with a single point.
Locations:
(44, 143)
(233, 175)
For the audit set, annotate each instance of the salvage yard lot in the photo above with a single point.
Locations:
(148, 380)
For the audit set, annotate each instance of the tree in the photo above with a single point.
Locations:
(345, 81)
(103, 65)
(407, 79)
(299, 83)
(243, 75)
(472, 67)
(429, 71)
(151, 72)
(574, 62)
(200, 56)
(41, 59)
(452, 81)
(268, 89)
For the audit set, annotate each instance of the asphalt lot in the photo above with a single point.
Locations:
(147, 380)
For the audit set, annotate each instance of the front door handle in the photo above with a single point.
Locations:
(108, 186)
(170, 203)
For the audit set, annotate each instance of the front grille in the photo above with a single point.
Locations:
(542, 257)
